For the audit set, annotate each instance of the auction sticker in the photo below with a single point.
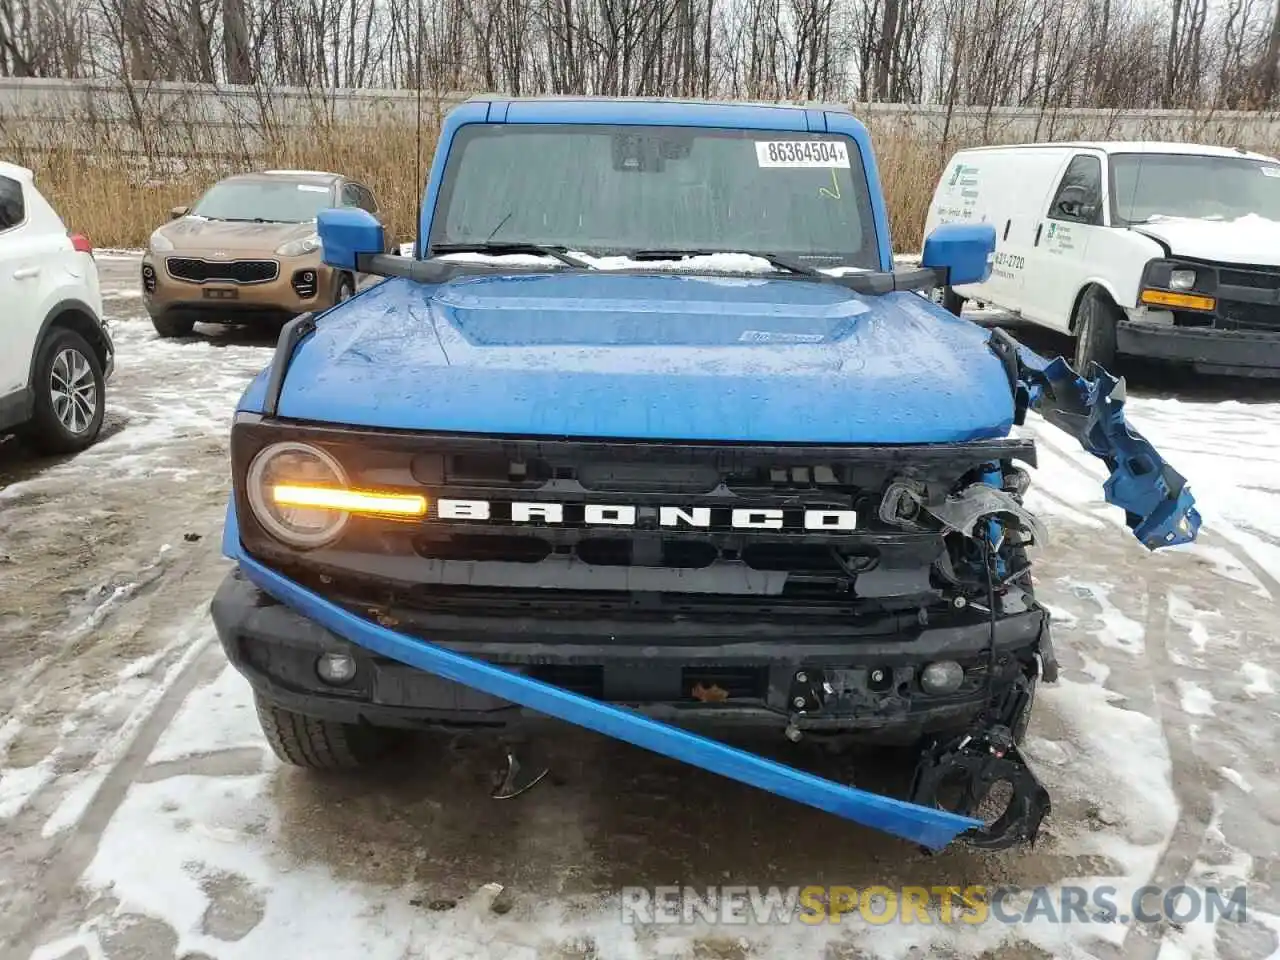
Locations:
(802, 153)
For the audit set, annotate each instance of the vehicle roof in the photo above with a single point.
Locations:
(318, 177)
(1136, 146)
(14, 172)
(656, 109)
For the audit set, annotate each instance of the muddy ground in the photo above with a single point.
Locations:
(143, 818)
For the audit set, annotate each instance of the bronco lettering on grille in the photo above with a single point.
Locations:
(627, 515)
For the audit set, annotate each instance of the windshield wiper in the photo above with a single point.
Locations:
(775, 261)
(498, 247)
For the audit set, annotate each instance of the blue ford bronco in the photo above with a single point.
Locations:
(650, 435)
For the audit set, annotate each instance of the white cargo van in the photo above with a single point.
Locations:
(1163, 250)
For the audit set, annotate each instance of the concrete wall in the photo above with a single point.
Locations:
(177, 118)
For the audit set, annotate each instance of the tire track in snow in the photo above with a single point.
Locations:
(63, 869)
(1190, 777)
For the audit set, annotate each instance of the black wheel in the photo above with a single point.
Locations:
(346, 289)
(70, 394)
(321, 744)
(173, 325)
(952, 301)
(1095, 328)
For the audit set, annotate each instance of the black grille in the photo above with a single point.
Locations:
(730, 530)
(1237, 315)
(225, 271)
(1262, 278)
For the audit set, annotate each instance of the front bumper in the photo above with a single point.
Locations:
(927, 825)
(214, 300)
(1227, 352)
(650, 667)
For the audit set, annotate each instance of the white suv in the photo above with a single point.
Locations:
(55, 352)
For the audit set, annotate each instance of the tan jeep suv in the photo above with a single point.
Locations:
(248, 252)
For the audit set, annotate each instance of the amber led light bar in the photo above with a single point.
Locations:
(350, 501)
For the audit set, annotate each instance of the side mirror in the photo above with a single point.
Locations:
(347, 233)
(177, 212)
(963, 250)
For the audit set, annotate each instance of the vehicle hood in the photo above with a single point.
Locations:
(648, 357)
(1246, 240)
(198, 235)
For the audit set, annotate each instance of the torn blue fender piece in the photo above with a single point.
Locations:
(927, 826)
(1156, 499)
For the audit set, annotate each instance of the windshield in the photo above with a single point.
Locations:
(623, 189)
(1154, 185)
(285, 202)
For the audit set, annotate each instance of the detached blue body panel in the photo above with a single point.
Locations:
(650, 357)
(926, 826)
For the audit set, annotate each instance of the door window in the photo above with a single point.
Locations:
(12, 207)
(364, 198)
(1079, 195)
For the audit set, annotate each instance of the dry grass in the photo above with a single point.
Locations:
(909, 169)
(117, 191)
(117, 199)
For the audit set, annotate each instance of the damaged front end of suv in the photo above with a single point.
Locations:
(666, 494)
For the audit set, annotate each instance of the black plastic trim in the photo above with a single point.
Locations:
(293, 333)
(16, 408)
(670, 450)
(74, 306)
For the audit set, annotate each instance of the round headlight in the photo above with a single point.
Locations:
(294, 465)
(1182, 279)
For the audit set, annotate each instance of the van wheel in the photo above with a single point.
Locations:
(952, 302)
(70, 394)
(1095, 328)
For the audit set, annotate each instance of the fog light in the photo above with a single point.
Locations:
(945, 676)
(336, 668)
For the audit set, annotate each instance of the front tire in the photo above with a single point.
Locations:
(171, 325)
(952, 302)
(346, 289)
(1095, 328)
(320, 744)
(70, 394)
